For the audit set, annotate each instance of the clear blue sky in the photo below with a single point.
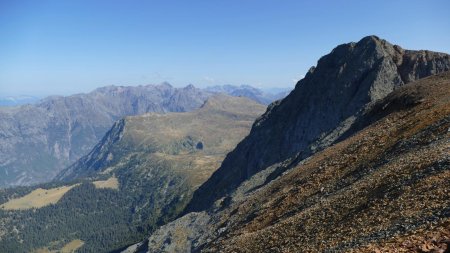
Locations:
(65, 47)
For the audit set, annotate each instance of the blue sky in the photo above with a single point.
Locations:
(66, 47)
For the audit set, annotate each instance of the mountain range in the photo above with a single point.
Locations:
(140, 175)
(259, 95)
(38, 141)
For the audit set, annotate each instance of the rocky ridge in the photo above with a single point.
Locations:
(322, 108)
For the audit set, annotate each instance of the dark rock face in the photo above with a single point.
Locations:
(322, 107)
(37, 141)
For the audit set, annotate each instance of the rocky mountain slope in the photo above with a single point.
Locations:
(383, 189)
(322, 108)
(390, 179)
(140, 175)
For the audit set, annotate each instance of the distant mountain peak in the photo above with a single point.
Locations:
(189, 87)
(227, 103)
(250, 92)
(166, 84)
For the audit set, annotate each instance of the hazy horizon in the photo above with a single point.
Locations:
(69, 47)
(272, 89)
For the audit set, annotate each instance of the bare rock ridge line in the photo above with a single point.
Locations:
(98, 157)
(321, 108)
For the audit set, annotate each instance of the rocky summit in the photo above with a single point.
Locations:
(321, 109)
